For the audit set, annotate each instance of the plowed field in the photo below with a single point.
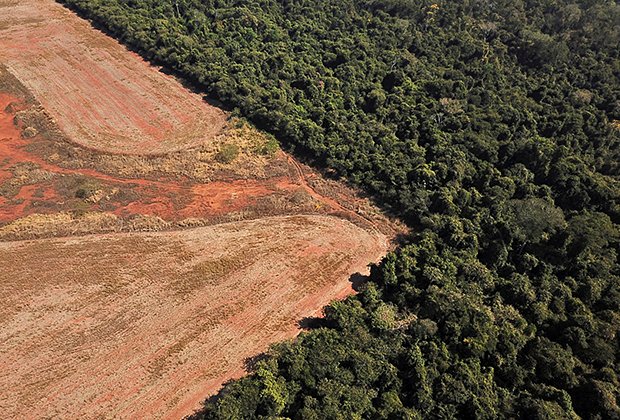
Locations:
(102, 96)
(147, 324)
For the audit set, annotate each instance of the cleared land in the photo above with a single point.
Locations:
(131, 300)
(45, 180)
(147, 324)
(101, 95)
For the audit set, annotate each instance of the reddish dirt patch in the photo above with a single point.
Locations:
(149, 324)
(30, 184)
(102, 96)
(170, 200)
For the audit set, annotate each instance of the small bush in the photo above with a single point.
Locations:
(269, 147)
(86, 189)
(227, 153)
(29, 132)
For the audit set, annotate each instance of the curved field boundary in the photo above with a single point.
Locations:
(102, 96)
(148, 324)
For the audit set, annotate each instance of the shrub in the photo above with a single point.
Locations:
(227, 153)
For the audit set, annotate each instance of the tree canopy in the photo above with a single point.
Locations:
(493, 129)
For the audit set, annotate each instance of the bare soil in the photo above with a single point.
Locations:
(102, 95)
(148, 324)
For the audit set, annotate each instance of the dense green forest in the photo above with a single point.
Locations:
(492, 128)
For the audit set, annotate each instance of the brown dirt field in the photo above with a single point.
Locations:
(101, 95)
(149, 324)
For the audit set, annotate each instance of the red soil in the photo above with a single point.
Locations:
(170, 200)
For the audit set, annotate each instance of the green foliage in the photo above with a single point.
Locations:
(489, 128)
(227, 153)
(533, 219)
(269, 147)
(274, 393)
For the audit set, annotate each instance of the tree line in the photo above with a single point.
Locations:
(493, 129)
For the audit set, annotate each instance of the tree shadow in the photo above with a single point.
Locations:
(249, 363)
(358, 281)
(401, 239)
(311, 323)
